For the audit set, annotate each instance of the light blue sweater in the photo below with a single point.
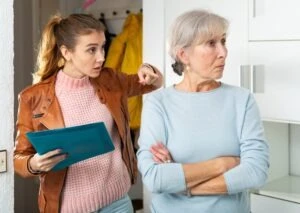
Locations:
(198, 127)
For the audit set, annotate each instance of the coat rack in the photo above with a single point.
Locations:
(117, 13)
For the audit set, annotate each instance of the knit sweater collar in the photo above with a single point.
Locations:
(70, 83)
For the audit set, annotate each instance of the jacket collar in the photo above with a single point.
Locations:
(53, 117)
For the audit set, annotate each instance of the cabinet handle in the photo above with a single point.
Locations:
(254, 9)
(258, 78)
(245, 76)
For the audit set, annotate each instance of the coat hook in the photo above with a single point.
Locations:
(114, 13)
(102, 15)
(127, 11)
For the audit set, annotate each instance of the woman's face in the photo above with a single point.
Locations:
(207, 60)
(87, 57)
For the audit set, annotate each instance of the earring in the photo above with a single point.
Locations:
(187, 68)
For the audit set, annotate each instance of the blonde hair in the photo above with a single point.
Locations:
(61, 31)
(194, 27)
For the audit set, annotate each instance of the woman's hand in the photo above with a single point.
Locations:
(160, 153)
(44, 163)
(149, 75)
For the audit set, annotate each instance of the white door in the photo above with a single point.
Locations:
(274, 20)
(233, 10)
(276, 74)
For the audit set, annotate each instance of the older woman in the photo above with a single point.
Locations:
(212, 147)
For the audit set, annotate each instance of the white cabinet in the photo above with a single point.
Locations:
(275, 79)
(274, 53)
(274, 20)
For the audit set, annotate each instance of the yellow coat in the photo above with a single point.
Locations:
(125, 54)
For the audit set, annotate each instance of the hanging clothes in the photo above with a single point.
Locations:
(125, 54)
(109, 36)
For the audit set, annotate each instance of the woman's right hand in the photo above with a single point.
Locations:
(45, 162)
(160, 153)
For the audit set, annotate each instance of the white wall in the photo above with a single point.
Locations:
(153, 52)
(6, 106)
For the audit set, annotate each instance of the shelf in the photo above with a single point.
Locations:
(280, 121)
(286, 188)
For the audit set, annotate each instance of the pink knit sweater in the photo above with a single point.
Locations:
(96, 182)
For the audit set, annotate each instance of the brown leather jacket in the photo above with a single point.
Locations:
(39, 110)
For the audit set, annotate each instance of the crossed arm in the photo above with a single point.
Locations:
(202, 177)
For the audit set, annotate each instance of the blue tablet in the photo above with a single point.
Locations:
(79, 142)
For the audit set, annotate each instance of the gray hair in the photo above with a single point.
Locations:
(194, 27)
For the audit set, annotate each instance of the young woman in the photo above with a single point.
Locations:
(72, 88)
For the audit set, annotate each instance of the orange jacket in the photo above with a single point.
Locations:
(113, 89)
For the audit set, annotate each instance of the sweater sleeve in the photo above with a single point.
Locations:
(254, 153)
(158, 178)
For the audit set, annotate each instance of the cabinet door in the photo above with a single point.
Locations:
(233, 10)
(275, 76)
(274, 20)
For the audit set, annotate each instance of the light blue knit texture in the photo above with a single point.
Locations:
(197, 127)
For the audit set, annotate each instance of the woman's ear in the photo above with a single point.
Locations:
(65, 52)
(183, 56)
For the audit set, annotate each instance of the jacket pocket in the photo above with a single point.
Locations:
(37, 125)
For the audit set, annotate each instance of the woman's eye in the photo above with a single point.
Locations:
(92, 50)
(212, 43)
(223, 41)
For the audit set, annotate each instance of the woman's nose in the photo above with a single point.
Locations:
(100, 56)
(222, 51)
